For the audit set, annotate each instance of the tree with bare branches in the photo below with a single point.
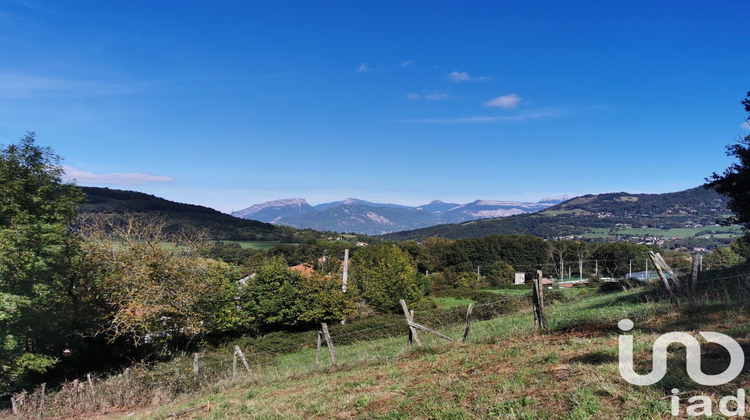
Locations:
(156, 287)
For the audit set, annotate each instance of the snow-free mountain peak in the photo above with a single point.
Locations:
(271, 211)
(360, 216)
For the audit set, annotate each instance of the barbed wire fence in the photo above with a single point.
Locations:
(146, 384)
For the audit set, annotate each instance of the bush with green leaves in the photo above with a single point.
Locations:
(277, 297)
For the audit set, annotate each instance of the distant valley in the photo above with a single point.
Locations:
(364, 217)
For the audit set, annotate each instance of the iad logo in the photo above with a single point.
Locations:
(693, 365)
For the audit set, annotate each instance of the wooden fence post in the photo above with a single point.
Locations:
(468, 322)
(127, 380)
(331, 351)
(672, 297)
(41, 400)
(91, 386)
(429, 330)
(234, 366)
(317, 354)
(685, 289)
(409, 318)
(540, 322)
(14, 404)
(238, 352)
(694, 277)
(196, 369)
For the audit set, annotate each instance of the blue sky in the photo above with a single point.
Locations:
(232, 103)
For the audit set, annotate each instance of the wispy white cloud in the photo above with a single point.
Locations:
(462, 76)
(745, 125)
(363, 68)
(459, 76)
(521, 116)
(19, 85)
(510, 101)
(115, 178)
(407, 63)
(436, 96)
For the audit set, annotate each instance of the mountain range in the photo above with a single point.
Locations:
(365, 217)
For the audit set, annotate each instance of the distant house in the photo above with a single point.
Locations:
(304, 269)
(361, 244)
(547, 282)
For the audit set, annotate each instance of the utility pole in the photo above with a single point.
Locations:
(344, 282)
(630, 269)
(479, 278)
(346, 270)
(580, 267)
(646, 269)
(596, 268)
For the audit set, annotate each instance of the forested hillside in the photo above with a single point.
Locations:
(189, 217)
(580, 216)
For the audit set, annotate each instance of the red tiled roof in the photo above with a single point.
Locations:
(305, 269)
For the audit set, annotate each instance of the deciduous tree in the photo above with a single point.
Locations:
(155, 286)
(382, 275)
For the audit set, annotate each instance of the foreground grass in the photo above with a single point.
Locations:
(505, 370)
(450, 303)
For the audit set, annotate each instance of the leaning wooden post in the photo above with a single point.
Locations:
(317, 354)
(14, 405)
(234, 366)
(412, 331)
(672, 297)
(540, 322)
(683, 288)
(331, 351)
(468, 322)
(238, 352)
(429, 330)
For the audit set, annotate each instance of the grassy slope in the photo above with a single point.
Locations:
(505, 370)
